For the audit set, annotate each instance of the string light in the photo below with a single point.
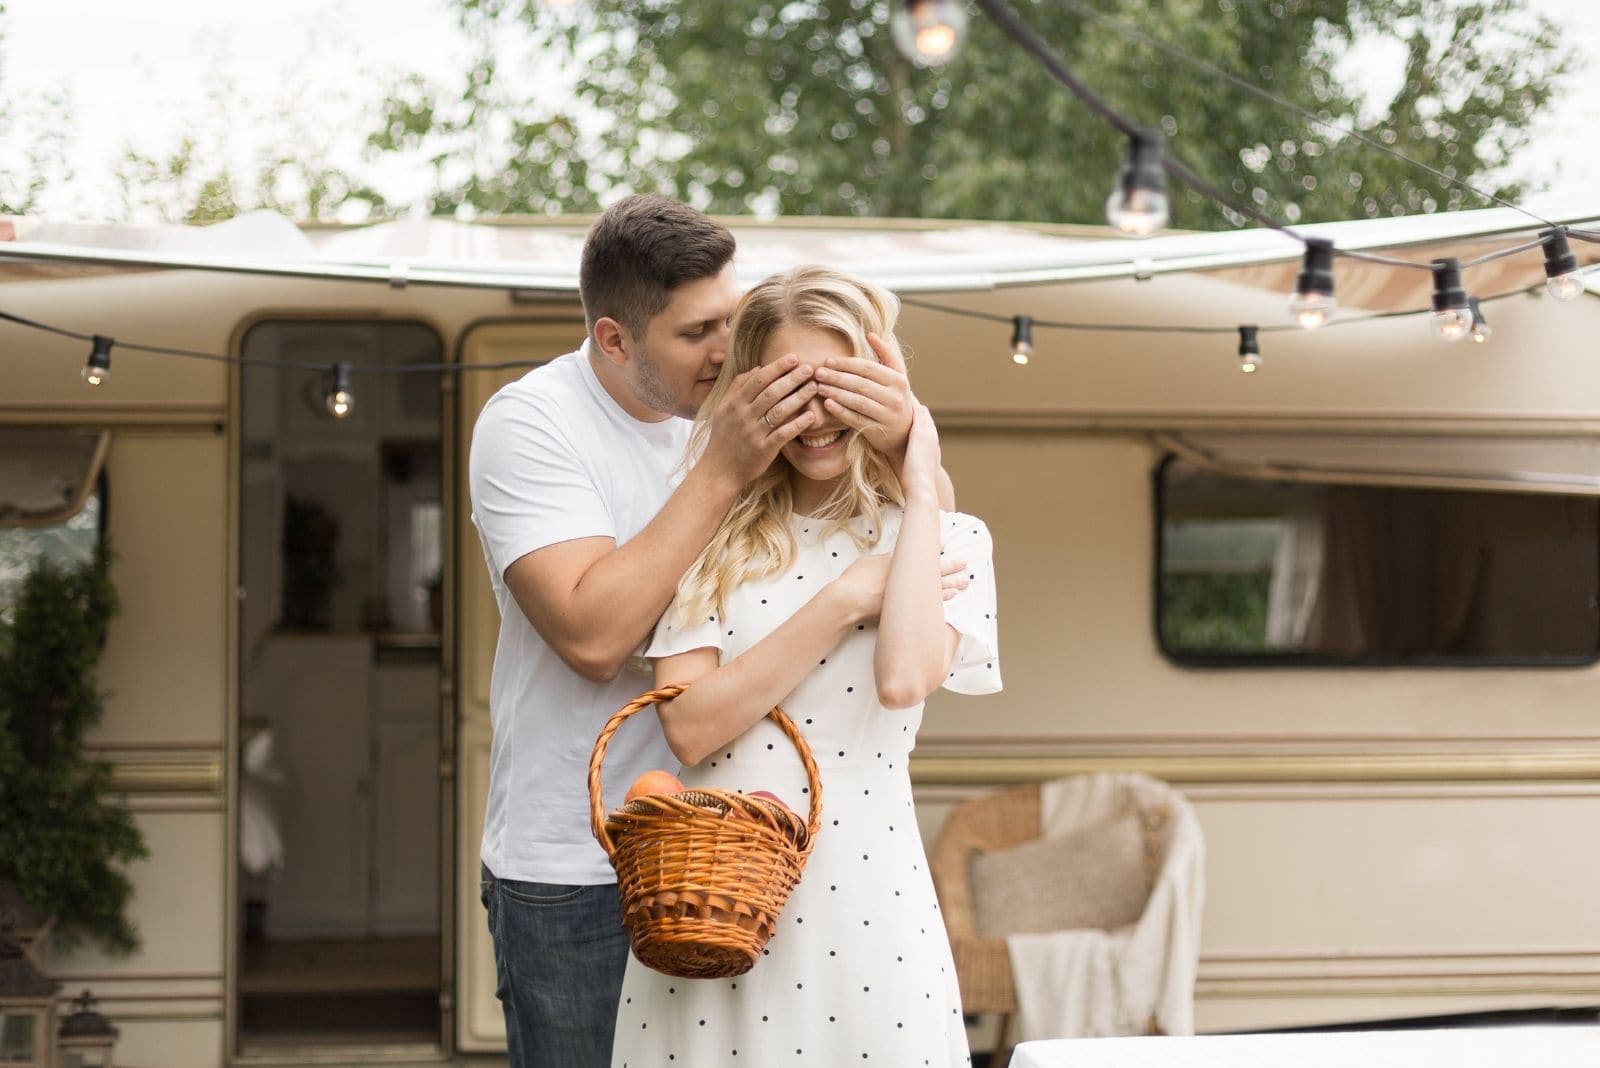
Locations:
(1021, 339)
(340, 399)
(97, 368)
(1452, 315)
(1480, 326)
(1137, 206)
(1313, 299)
(1562, 277)
(1249, 350)
(929, 32)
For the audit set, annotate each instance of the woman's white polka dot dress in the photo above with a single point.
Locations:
(859, 971)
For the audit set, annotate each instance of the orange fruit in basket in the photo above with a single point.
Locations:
(654, 781)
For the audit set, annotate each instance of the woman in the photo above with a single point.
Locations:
(821, 592)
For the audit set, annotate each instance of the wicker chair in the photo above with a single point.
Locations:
(983, 967)
(993, 821)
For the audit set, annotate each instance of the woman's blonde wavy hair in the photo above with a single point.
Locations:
(755, 541)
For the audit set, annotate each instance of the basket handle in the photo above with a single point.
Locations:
(597, 816)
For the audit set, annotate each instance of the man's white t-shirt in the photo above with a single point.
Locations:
(555, 458)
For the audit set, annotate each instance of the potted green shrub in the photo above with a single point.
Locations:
(63, 840)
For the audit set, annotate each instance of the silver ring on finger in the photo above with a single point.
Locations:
(767, 420)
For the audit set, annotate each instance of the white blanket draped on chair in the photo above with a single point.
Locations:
(1133, 980)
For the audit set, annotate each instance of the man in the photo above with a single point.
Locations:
(586, 538)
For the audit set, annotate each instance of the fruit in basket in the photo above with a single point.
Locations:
(654, 781)
(768, 795)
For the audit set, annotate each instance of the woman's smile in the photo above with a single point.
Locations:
(818, 442)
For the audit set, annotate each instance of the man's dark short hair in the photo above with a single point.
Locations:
(640, 250)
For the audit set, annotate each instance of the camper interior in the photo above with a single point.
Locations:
(341, 552)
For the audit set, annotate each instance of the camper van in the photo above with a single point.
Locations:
(1342, 593)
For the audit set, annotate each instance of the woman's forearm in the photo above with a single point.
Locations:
(913, 648)
(723, 704)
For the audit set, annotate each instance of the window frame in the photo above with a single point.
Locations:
(1202, 660)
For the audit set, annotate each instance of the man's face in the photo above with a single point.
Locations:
(675, 364)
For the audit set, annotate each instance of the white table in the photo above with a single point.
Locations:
(1482, 1047)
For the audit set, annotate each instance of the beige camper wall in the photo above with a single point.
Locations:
(167, 1000)
(165, 661)
(1336, 889)
(1072, 517)
(45, 369)
(1535, 364)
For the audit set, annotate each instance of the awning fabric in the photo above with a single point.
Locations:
(907, 255)
(47, 474)
(1514, 463)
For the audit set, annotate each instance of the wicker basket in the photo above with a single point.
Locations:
(702, 874)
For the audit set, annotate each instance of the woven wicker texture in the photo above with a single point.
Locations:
(995, 821)
(703, 874)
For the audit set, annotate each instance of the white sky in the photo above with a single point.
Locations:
(133, 71)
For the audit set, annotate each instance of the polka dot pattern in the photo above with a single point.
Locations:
(859, 970)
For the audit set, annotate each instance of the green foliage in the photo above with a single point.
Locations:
(1204, 612)
(41, 129)
(491, 149)
(807, 108)
(61, 841)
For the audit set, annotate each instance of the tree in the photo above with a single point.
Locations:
(61, 841)
(807, 108)
(493, 147)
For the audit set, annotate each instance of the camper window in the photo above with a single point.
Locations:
(1259, 572)
(52, 501)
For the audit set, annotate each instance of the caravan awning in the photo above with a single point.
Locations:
(540, 257)
(1520, 462)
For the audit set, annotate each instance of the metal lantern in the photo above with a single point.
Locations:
(27, 1006)
(87, 1039)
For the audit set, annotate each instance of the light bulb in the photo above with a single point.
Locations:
(1452, 311)
(340, 399)
(1249, 350)
(97, 368)
(1138, 213)
(1480, 326)
(1313, 301)
(1452, 324)
(929, 32)
(1561, 273)
(1565, 286)
(1312, 310)
(1137, 205)
(1021, 339)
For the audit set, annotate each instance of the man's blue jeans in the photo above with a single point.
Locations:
(559, 955)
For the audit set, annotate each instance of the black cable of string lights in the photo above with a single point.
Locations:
(1029, 41)
(1133, 33)
(282, 365)
(1025, 37)
(1181, 328)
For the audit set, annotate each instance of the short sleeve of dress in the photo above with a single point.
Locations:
(972, 612)
(675, 635)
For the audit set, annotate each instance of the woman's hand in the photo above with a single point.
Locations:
(871, 397)
(860, 588)
(919, 472)
(761, 412)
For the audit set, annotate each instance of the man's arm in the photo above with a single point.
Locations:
(594, 601)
